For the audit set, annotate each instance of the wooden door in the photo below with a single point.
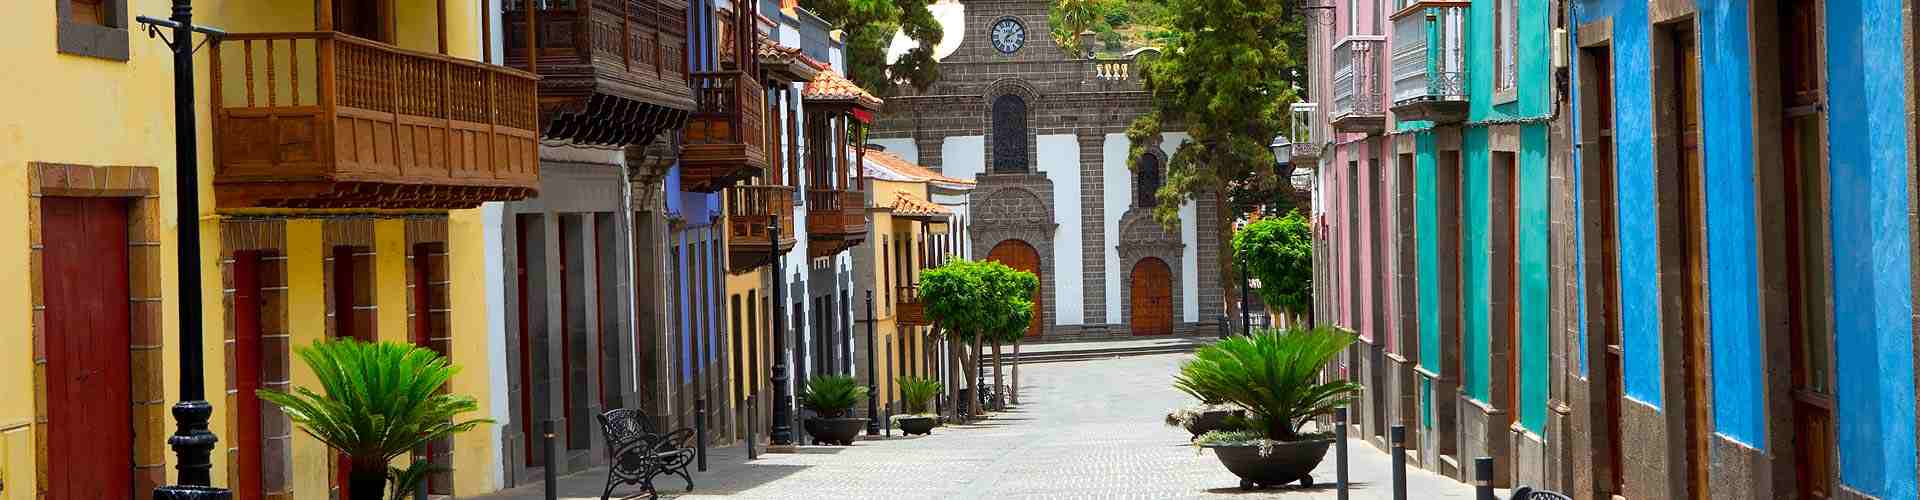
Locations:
(1809, 336)
(88, 341)
(1020, 255)
(1693, 258)
(1152, 297)
(362, 18)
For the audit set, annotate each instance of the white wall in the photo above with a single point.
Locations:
(1190, 257)
(1059, 160)
(902, 147)
(1118, 178)
(964, 157)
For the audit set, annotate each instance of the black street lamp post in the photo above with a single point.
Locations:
(873, 375)
(782, 434)
(192, 442)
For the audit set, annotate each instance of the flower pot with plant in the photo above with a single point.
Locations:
(378, 401)
(830, 397)
(1275, 377)
(1206, 417)
(916, 393)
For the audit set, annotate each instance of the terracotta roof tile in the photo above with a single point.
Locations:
(906, 205)
(911, 172)
(830, 86)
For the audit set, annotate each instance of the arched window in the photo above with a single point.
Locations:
(1009, 134)
(1146, 180)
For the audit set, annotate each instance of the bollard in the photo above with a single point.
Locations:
(1483, 478)
(1398, 434)
(700, 432)
(889, 420)
(753, 422)
(1340, 452)
(551, 472)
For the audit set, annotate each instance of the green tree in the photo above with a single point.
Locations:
(1226, 73)
(869, 26)
(380, 400)
(974, 302)
(1279, 251)
(1069, 18)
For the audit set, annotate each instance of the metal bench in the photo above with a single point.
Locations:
(636, 454)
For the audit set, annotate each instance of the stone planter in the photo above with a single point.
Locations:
(1285, 463)
(915, 425)
(1213, 420)
(839, 431)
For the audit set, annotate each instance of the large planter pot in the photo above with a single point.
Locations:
(915, 425)
(1285, 463)
(839, 431)
(1211, 420)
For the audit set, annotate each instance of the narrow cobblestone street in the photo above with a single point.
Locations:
(1087, 429)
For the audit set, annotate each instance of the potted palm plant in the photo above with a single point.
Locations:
(916, 392)
(377, 401)
(830, 397)
(1274, 376)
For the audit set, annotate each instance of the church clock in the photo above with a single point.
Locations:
(1009, 35)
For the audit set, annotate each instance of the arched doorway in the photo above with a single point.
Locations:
(1020, 255)
(1152, 297)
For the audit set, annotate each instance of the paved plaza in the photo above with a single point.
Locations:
(1087, 429)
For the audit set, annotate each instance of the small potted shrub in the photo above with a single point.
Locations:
(830, 397)
(1207, 417)
(916, 393)
(1275, 377)
(378, 401)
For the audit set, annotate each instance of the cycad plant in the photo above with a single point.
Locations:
(831, 396)
(1273, 375)
(916, 392)
(378, 401)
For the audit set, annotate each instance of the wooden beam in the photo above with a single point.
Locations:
(323, 15)
(486, 31)
(533, 36)
(440, 7)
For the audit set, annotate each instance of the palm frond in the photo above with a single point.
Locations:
(377, 400)
(1274, 375)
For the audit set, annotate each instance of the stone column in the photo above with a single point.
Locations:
(1093, 234)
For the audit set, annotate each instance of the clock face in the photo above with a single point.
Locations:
(1009, 36)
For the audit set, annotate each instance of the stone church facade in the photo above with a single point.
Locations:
(1042, 132)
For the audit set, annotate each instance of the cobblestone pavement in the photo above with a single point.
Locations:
(1087, 429)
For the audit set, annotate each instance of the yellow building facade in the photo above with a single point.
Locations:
(87, 193)
(909, 233)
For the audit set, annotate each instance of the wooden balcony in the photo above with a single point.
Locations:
(836, 220)
(611, 72)
(1429, 61)
(328, 120)
(726, 137)
(1359, 104)
(749, 209)
(907, 308)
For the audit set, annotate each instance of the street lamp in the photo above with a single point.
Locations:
(192, 442)
(1282, 150)
(782, 434)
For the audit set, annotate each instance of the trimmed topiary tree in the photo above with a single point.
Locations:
(979, 301)
(1279, 251)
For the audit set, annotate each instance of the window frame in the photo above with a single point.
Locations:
(86, 39)
(1506, 48)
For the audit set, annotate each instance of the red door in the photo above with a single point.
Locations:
(89, 375)
(246, 367)
(1152, 297)
(1019, 255)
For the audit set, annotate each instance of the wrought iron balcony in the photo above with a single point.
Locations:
(726, 138)
(1305, 137)
(1359, 102)
(836, 220)
(329, 120)
(1429, 61)
(749, 209)
(623, 82)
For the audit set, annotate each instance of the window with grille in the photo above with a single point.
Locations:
(1009, 134)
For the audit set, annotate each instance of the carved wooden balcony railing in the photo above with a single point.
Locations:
(1359, 103)
(725, 141)
(749, 209)
(907, 308)
(836, 220)
(329, 120)
(1429, 61)
(612, 71)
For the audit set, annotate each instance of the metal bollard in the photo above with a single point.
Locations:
(1340, 453)
(753, 422)
(551, 472)
(1483, 478)
(1398, 435)
(700, 432)
(888, 422)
